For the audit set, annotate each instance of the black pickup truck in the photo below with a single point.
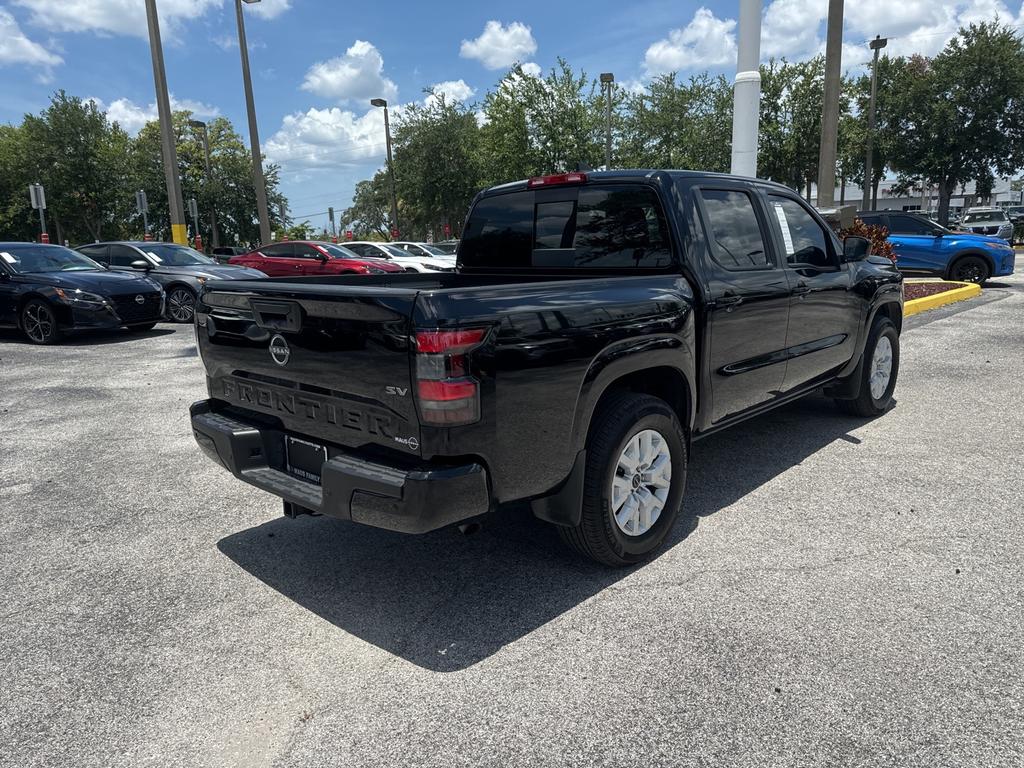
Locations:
(596, 326)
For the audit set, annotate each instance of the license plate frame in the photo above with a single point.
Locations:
(304, 459)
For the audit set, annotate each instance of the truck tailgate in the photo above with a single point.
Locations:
(333, 364)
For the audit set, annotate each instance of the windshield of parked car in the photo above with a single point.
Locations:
(45, 258)
(973, 218)
(337, 251)
(176, 255)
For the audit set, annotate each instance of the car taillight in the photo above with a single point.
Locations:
(557, 179)
(447, 394)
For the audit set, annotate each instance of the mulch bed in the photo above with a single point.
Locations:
(920, 290)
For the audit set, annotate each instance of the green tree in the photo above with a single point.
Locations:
(962, 112)
(790, 121)
(370, 210)
(436, 160)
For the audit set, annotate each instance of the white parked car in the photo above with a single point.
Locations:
(411, 262)
(988, 221)
(426, 250)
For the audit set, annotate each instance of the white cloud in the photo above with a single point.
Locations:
(706, 42)
(117, 17)
(356, 75)
(453, 90)
(500, 46)
(790, 28)
(16, 48)
(131, 116)
(532, 69)
(269, 9)
(332, 138)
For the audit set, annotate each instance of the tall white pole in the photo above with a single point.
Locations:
(830, 106)
(747, 91)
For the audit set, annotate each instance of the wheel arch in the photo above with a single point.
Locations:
(62, 313)
(970, 252)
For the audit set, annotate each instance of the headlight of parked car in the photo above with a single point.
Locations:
(80, 298)
(999, 246)
(375, 271)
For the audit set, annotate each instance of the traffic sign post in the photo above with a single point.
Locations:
(193, 209)
(38, 198)
(348, 234)
(330, 217)
(142, 206)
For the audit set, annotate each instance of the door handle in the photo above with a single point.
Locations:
(801, 289)
(730, 301)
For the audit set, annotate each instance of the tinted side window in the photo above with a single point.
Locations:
(304, 251)
(734, 231)
(364, 250)
(499, 232)
(96, 253)
(279, 251)
(123, 256)
(804, 239)
(908, 225)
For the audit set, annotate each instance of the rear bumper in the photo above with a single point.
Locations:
(409, 500)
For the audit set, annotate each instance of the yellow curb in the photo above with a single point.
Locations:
(915, 306)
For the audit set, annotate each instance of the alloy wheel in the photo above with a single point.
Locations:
(181, 305)
(881, 367)
(38, 322)
(641, 482)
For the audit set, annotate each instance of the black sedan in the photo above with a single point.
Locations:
(46, 290)
(181, 270)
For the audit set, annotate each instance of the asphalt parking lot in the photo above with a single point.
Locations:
(852, 594)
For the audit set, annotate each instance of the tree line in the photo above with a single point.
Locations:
(947, 120)
(91, 169)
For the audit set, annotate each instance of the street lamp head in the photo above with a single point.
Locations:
(878, 42)
(607, 77)
(378, 102)
(250, 2)
(198, 124)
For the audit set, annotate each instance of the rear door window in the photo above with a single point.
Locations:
(733, 228)
(97, 253)
(123, 256)
(589, 227)
(908, 225)
(279, 251)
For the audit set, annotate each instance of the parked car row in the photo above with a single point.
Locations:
(922, 245)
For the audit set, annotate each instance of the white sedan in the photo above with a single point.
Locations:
(411, 262)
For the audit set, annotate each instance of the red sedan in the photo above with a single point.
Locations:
(310, 257)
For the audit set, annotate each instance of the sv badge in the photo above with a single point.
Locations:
(399, 391)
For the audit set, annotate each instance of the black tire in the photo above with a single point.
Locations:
(39, 322)
(865, 404)
(621, 417)
(970, 269)
(181, 304)
(142, 328)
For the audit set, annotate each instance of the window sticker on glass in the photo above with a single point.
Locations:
(154, 257)
(8, 258)
(787, 236)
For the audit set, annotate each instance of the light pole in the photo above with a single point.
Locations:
(254, 136)
(391, 166)
(201, 126)
(876, 45)
(746, 96)
(179, 233)
(830, 106)
(607, 78)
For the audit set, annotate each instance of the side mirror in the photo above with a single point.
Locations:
(140, 264)
(856, 248)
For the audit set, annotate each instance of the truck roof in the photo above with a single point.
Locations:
(633, 174)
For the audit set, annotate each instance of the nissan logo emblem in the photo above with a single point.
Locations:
(140, 299)
(279, 350)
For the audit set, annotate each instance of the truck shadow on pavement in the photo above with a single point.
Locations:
(446, 602)
(91, 338)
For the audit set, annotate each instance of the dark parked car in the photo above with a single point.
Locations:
(596, 326)
(47, 290)
(310, 258)
(181, 270)
(921, 245)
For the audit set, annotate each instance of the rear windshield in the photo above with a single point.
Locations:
(589, 227)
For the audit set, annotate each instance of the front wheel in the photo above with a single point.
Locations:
(634, 480)
(39, 323)
(970, 269)
(181, 305)
(879, 370)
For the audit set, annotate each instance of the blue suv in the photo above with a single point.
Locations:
(923, 246)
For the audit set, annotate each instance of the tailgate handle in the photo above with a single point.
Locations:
(277, 315)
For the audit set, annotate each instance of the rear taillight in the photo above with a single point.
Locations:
(557, 179)
(448, 395)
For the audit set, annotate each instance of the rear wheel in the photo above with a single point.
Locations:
(970, 269)
(634, 480)
(39, 323)
(181, 304)
(878, 373)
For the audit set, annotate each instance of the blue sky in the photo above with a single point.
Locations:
(316, 63)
